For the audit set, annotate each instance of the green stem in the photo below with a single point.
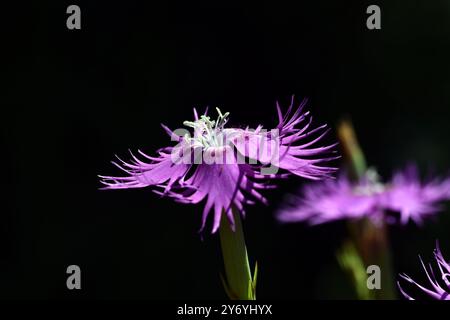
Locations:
(370, 240)
(350, 261)
(353, 155)
(374, 248)
(239, 284)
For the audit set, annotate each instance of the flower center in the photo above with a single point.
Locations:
(207, 132)
(370, 184)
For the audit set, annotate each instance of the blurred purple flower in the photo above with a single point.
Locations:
(341, 199)
(209, 164)
(438, 291)
(412, 198)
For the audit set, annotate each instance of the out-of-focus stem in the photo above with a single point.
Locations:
(375, 250)
(350, 260)
(239, 283)
(371, 240)
(353, 155)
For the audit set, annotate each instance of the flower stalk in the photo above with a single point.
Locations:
(370, 240)
(239, 283)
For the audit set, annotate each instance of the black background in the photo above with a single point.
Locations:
(74, 98)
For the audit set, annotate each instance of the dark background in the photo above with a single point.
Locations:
(74, 98)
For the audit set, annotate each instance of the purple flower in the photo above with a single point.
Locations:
(412, 198)
(228, 167)
(438, 290)
(341, 199)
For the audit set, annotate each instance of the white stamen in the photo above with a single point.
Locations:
(373, 184)
(207, 132)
